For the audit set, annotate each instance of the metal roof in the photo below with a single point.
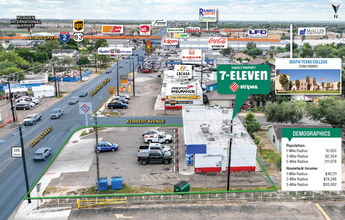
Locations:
(196, 116)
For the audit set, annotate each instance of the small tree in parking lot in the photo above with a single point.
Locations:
(252, 123)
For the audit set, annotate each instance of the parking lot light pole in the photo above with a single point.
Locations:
(55, 80)
(229, 162)
(97, 161)
(24, 163)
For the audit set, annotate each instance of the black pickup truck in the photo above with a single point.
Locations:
(154, 156)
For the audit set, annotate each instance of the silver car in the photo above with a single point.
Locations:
(42, 153)
(73, 100)
(56, 113)
(32, 118)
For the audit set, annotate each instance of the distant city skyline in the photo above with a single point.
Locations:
(231, 10)
(330, 74)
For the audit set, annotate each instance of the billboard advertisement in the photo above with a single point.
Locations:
(183, 71)
(191, 55)
(192, 29)
(311, 31)
(257, 33)
(181, 89)
(111, 51)
(218, 42)
(145, 29)
(181, 35)
(207, 14)
(308, 76)
(175, 30)
(112, 29)
(170, 41)
(183, 98)
(159, 22)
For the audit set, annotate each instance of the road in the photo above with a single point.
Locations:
(12, 181)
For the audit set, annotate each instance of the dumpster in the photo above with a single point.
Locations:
(116, 182)
(182, 186)
(103, 182)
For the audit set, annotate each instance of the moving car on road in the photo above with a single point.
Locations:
(117, 105)
(83, 94)
(32, 118)
(120, 66)
(73, 100)
(42, 153)
(106, 146)
(108, 71)
(56, 113)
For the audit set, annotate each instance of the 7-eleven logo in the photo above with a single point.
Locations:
(234, 87)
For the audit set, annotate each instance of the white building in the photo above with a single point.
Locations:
(60, 53)
(207, 137)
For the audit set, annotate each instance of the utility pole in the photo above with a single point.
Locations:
(81, 75)
(55, 80)
(133, 80)
(24, 163)
(229, 162)
(117, 75)
(202, 73)
(95, 53)
(97, 161)
(11, 100)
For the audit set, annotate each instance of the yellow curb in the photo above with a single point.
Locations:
(322, 212)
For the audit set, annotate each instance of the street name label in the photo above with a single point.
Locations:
(142, 121)
(311, 159)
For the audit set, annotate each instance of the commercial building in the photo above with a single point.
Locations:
(207, 137)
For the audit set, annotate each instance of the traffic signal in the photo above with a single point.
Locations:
(148, 47)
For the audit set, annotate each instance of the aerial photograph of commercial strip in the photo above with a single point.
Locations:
(319, 81)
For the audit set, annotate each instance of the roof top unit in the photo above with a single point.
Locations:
(205, 128)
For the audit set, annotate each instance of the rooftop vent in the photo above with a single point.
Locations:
(225, 111)
(211, 137)
(205, 128)
(226, 128)
(226, 121)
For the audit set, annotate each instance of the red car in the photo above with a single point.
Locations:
(146, 71)
(244, 106)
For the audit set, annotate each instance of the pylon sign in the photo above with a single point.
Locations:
(148, 47)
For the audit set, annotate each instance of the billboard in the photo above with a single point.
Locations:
(181, 89)
(257, 33)
(181, 35)
(192, 29)
(170, 41)
(175, 30)
(185, 97)
(191, 54)
(217, 42)
(111, 50)
(159, 22)
(207, 14)
(311, 31)
(145, 29)
(308, 76)
(112, 29)
(183, 71)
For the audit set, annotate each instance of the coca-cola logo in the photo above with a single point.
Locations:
(220, 40)
(170, 41)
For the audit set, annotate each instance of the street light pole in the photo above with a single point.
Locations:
(95, 53)
(97, 161)
(81, 75)
(11, 100)
(24, 163)
(133, 80)
(229, 162)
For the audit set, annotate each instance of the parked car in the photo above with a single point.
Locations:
(32, 118)
(154, 156)
(152, 132)
(83, 94)
(136, 54)
(42, 153)
(124, 101)
(108, 71)
(154, 146)
(155, 70)
(73, 100)
(123, 97)
(157, 138)
(145, 53)
(117, 105)
(146, 71)
(28, 99)
(85, 78)
(106, 146)
(244, 106)
(56, 113)
(22, 106)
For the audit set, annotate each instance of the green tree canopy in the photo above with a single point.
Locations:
(252, 123)
(285, 112)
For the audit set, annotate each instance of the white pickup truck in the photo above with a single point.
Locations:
(154, 146)
(157, 138)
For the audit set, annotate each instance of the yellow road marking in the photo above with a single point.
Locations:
(322, 212)
(147, 179)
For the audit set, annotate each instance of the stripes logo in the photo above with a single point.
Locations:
(234, 87)
(85, 108)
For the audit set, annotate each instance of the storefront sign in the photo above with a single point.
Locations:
(207, 14)
(112, 29)
(191, 54)
(217, 42)
(183, 71)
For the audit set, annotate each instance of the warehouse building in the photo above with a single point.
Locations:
(207, 137)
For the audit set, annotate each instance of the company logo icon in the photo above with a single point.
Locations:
(170, 41)
(78, 25)
(112, 29)
(257, 33)
(144, 29)
(85, 108)
(190, 86)
(182, 68)
(64, 36)
(234, 87)
(302, 32)
(78, 37)
(191, 51)
(336, 8)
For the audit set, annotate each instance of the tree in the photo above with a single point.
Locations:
(254, 51)
(294, 46)
(247, 59)
(307, 78)
(297, 83)
(85, 42)
(283, 80)
(10, 47)
(1, 48)
(285, 112)
(323, 85)
(239, 59)
(99, 42)
(83, 61)
(338, 85)
(290, 85)
(251, 45)
(330, 110)
(252, 123)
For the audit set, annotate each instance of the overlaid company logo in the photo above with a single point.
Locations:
(145, 29)
(207, 14)
(109, 51)
(159, 22)
(64, 36)
(182, 89)
(170, 41)
(311, 31)
(25, 21)
(175, 30)
(183, 71)
(191, 54)
(85, 108)
(234, 87)
(78, 26)
(257, 33)
(181, 35)
(112, 29)
(336, 8)
(192, 29)
(218, 42)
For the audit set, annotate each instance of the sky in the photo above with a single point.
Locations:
(332, 75)
(231, 10)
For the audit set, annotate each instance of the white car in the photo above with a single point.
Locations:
(84, 79)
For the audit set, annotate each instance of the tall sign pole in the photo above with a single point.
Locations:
(291, 41)
(133, 80)
(97, 161)
(24, 163)
(117, 74)
(229, 162)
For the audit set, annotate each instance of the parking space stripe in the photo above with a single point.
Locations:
(147, 179)
(158, 177)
